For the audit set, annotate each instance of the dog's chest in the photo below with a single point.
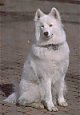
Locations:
(50, 55)
(50, 61)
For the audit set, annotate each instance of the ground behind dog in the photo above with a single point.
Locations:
(17, 35)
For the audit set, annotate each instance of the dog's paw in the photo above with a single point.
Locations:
(63, 103)
(50, 106)
(53, 108)
(22, 101)
(37, 105)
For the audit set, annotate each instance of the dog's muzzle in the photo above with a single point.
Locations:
(46, 34)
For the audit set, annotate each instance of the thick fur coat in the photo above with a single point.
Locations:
(45, 69)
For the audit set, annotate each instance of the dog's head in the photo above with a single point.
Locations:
(49, 27)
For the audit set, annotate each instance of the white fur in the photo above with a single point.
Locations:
(45, 69)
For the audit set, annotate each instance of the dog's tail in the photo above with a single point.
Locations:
(12, 98)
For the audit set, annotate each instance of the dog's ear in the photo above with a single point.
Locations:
(54, 12)
(38, 14)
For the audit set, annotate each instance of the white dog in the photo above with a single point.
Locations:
(46, 66)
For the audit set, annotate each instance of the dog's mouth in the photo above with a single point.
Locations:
(51, 36)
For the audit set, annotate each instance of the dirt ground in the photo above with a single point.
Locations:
(16, 36)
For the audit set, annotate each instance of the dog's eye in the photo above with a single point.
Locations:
(42, 26)
(50, 25)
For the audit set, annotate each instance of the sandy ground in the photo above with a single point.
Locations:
(16, 37)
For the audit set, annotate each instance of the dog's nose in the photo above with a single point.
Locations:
(46, 33)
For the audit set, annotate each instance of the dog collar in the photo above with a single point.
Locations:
(51, 46)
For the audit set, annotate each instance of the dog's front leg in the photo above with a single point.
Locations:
(46, 85)
(61, 87)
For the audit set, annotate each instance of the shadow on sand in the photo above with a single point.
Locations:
(7, 89)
